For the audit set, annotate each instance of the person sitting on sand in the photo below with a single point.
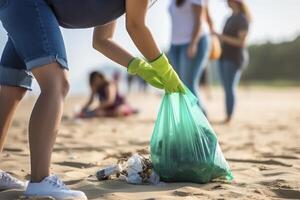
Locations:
(111, 103)
(35, 48)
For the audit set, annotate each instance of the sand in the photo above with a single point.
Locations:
(262, 146)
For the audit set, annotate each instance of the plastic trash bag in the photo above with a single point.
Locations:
(184, 147)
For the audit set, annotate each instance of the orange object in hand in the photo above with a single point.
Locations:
(216, 49)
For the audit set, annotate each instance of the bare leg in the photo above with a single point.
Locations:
(9, 100)
(46, 117)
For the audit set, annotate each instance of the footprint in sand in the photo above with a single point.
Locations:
(278, 184)
(280, 156)
(282, 189)
(81, 149)
(182, 193)
(78, 165)
(72, 182)
(264, 168)
(115, 185)
(265, 162)
(189, 191)
(12, 149)
(295, 150)
(287, 193)
(274, 174)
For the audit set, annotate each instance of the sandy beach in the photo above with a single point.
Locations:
(262, 146)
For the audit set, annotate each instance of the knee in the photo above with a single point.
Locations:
(62, 87)
(53, 80)
(65, 87)
(58, 87)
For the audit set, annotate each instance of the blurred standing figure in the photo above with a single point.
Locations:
(190, 42)
(234, 53)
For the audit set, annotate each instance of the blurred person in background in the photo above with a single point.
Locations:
(190, 41)
(111, 103)
(234, 53)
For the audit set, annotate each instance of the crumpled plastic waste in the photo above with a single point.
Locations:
(137, 170)
(134, 168)
(105, 173)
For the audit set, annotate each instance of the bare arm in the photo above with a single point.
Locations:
(103, 42)
(140, 34)
(136, 11)
(239, 41)
(193, 46)
(198, 12)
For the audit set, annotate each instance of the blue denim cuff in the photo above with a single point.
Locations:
(15, 77)
(38, 62)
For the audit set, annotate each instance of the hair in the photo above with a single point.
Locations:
(94, 75)
(179, 2)
(244, 8)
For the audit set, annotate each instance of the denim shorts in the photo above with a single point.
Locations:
(34, 40)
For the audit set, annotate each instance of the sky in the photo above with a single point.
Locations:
(274, 20)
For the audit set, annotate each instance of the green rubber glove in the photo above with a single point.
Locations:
(143, 69)
(168, 75)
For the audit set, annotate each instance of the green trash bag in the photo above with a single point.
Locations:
(184, 147)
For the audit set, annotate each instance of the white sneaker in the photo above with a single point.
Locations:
(7, 182)
(51, 186)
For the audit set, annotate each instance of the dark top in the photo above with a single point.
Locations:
(103, 96)
(233, 26)
(86, 13)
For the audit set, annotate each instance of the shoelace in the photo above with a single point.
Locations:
(56, 182)
(7, 178)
